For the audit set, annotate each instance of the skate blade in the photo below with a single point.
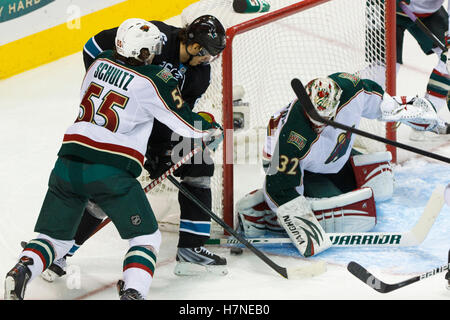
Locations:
(9, 289)
(193, 269)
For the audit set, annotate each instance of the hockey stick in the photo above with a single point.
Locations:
(447, 275)
(154, 183)
(413, 237)
(300, 91)
(421, 26)
(365, 276)
(313, 268)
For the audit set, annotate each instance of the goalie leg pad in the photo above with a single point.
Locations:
(306, 233)
(374, 171)
(353, 211)
(252, 210)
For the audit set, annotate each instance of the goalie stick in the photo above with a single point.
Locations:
(314, 268)
(368, 278)
(413, 237)
(301, 94)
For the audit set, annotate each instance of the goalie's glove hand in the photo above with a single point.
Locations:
(392, 107)
(416, 112)
(158, 162)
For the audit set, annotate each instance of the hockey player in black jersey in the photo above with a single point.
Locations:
(186, 53)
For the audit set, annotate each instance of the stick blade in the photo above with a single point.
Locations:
(365, 276)
(430, 213)
(312, 269)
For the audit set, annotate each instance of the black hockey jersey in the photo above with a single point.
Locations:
(193, 81)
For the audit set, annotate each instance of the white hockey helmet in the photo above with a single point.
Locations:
(325, 95)
(135, 34)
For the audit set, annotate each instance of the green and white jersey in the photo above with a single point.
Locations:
(292, 146)
(119, 104)
(423, 8)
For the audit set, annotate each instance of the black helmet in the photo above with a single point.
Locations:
(208, 32)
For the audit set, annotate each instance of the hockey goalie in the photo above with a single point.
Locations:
(315, 182)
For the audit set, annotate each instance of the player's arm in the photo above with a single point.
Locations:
(102, 41)
(169, 108)
(284, 180)
(196, 83)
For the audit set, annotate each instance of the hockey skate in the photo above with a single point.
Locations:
(196, 261)
(128, 294)
(17, 279)
(55, 270)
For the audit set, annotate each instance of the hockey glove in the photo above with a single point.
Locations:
(416, 112)
(215, 135)
(159, 160)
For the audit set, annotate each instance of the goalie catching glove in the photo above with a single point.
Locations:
(416, 112)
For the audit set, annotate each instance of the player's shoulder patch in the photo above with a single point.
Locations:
(297, 140)
(164, 75)
(351, 77)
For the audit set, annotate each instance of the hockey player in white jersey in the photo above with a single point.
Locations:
(436, 18)
(101, 155)
(315, 182)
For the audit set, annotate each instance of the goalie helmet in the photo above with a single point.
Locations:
(208, 32)
(136, 34)
(325, 95)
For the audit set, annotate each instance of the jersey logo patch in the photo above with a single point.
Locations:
(343, 141)
(165, 75)
(349, 76)
(297, 140)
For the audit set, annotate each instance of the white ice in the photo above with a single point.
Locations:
(37, 107)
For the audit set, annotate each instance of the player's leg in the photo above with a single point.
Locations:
(374, 171)
(195, 225)
(60, 214)
(121, 197)
(91, 219)
(255, 217)
(439, 80)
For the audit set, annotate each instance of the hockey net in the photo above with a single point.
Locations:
(251, 78)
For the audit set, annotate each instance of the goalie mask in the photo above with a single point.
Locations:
(324, 94)
(136, 34)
